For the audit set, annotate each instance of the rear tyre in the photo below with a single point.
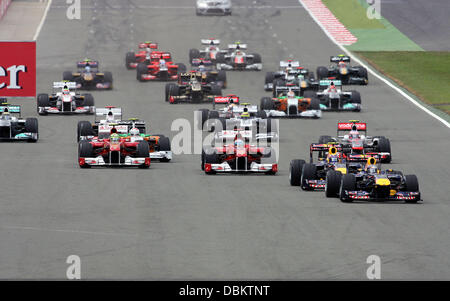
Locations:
(84, 128)
(193, 54)
(167, 90)
(108, 79)
(256, 58)
(356, 97)
(267, 103)
(269, 78)
(222, 77)
(295, 172)
(141, 70)
(181, 68)
(216, 90)
(324, 139)
(384, 146)
(67, 75)
(315, 104)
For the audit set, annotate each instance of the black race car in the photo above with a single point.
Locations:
(191, 87)
(341, 70)
(88, 77)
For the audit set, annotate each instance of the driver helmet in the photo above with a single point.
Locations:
(238, 52)
(162, 62)
(114, 138)
(245, 115)
(88, 69)
(333, 158)
(65, 90)
(6, 115)
(354, 134)
(291, 94)
(332, 87)
(110, 116)
(134, 132)
(239, 143)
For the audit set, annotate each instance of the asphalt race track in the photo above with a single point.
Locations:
(174, 222)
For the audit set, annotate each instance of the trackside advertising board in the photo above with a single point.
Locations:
(18, 69)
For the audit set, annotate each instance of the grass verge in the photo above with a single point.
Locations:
(352, 14)
(423, 73)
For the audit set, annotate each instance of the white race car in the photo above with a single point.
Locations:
(65, 101)
(237, 59)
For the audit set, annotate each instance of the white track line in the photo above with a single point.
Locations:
(374, 73)
(67, 231)
(38, 30)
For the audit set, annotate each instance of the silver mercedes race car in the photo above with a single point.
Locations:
(14, 128)
(213, 7)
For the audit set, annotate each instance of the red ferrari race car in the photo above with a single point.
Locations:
(132, 59)
(114, 151)
(239, 156)
(159, 67)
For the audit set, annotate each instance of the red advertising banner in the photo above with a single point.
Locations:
(4, 7)
(18, 69)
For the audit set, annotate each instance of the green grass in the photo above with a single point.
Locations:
(352, 14)
(423, 73)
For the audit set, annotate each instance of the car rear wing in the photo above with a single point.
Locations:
(60, 85)
(339, 58)
(327, 82)
(150, 45)
(322, 147)
(117, 112)
(85, 63)
(237, 46)
(163, 55)
(351, 125)
(252, 109)
(15, 109)
(293, 64)
(225, 100)
(210, 42)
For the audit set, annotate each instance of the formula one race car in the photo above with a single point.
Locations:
(348, 75)
(359, 147)
(291, 106)
(312, 175)
(291, 76)
(209, 53)
(192, 87)
(332, 98)
(113, 151)
(236, 59)
(132, 59)
(65, 101)
(160, 67)
(213, 7)
(88, 77)
(237, 116)
(14, 128)
(239, 156)
(209, 73)
(101, 128)
(373, 184)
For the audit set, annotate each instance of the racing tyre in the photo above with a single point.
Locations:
(362, 72)
(174, 91)
(315, 104)
(256, 58)
(348, 183)
(267, 103)
(309, 94)
(164, 145)
(31, 126)
(216, 90)
(130, 58)
(356, 97)
(211, 159)
(42, 101)
(384, 146)
(295, 172)
(220, 58)
(325, 139)
(412, 185)
(67, 75)
(193, 54)
(88, 100)
(308, 173)
(141, 70)
(85, 150)
(168, 88)
(143, 150)
(269, 78)
(261, 114)
(321, 72)
(108, 79)
(333, 183)
(84, 128)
